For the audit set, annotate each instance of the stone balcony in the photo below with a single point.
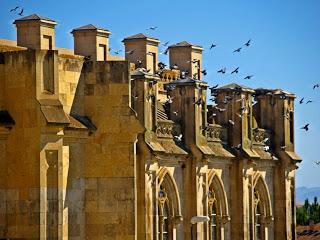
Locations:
(167, 129)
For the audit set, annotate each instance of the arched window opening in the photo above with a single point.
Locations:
(258, 216)
(164, 216)
(213, 231)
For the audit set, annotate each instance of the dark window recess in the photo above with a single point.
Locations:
(1, 58)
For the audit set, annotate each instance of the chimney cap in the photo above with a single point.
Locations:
(91, 28)
(185, 44)
(35, 17)
(141, 36)
(235, 87)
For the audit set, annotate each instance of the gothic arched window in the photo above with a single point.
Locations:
(258, 227)
(164, 232)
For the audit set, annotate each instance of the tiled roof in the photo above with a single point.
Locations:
(34, 17)
(140, 36)
(184, 44)
(90, 27)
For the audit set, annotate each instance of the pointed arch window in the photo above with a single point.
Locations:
(164, 232)
(258, 215)
(213, 232)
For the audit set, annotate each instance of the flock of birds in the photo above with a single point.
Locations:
(20, 11)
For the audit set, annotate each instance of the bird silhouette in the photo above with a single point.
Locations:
(117, 52)
(223, 70)
(152, 28)
(14, 9)
(248, 77)
(237, 50)
(306, 127)
(316, 86)
(247, 44)
(165, 44)
(235, 71)
(161, 65)
(165, 52)
(301, 100)
(212, 46)
(214, 87)
(309, 101)
(21, 12)
(204, 72)
(317, 162)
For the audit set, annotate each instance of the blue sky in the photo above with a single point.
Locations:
(285, 51)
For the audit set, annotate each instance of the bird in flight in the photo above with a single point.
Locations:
(223, 70)
(198, 102)
(235, 71)
(165, 44)
(204, 72)
(174, 66)
(14, 9)
(130, 52)
(317, 162)
(231, 122)
(247, 44)
(309, 101)
(237, 50)
(178, 137)
(237, 146)
(306, 127)
(165, 52)
(212, 46)
(301, 100)
(21, 12)
(316, 86)
(213, 87)
(152, 28)
(117, 52)
(248, 77)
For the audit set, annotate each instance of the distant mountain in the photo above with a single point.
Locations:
(302, 193)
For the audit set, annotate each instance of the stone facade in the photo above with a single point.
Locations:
(100, 147)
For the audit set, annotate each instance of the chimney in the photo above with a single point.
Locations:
(90, 40)
(188, 57)
(35, 32)
(142, 51)
(275, 109)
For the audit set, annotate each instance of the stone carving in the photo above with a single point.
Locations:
(215, 133)
(167, 129)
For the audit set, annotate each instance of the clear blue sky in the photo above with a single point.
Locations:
(285, 51)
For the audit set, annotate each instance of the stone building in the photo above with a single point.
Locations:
(95, 146)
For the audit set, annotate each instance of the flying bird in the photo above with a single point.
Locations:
(165, 44)
(175, 113)
(231, 122)
(14, 9)
(237, 50)
(174, 66)
(306, 127)
(247, 44)
(317, 162)
(178, 137)
(223, 70)
(198, 102)
(237, 146)
(165, 52)
(301, 100)
(21, 12)
(309, 101)
(316, 86)
(204, 72)
(212, 46)
(117, 52)
(248, 77)
(152, 28)
(235, 71)
(214, 87)
(130, 52)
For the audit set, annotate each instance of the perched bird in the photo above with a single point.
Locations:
(14, 9)
(178, 137)
(301, 100)
(306, 127)
(174, 66)
(175, 113)
(248, 77)
(161, 65)
(266, 148)
(309, 101)
(152, 28)
(316, 86)
(165, 44)
(212, 46)
(237, 50)
(265, 140)
(247, 44)
(21, 12)
(223, 70)
(204, 72)
(130, 52)
(283, 147)
(235, 71)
